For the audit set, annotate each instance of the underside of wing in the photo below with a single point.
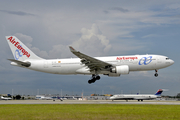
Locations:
(92, 63)
(24, 64)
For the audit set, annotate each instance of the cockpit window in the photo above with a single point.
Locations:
(167, 58)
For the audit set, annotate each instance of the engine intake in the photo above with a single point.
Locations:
(123, 69)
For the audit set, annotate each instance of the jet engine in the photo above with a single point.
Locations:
(123, 69)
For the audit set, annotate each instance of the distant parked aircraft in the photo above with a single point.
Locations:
(42, 97)
(5, 98)
(137, 96)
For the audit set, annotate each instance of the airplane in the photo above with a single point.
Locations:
(62, 98)
(137, 96)
(42, 97)
(112, 66)
(5, 98)
(71, 98)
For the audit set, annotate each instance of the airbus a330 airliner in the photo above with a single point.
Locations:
(112, 66)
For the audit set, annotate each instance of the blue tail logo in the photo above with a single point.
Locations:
(18, 54)
(159, 92)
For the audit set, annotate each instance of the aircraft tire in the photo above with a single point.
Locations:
(155, 74)
(89, 81)
(98, 77)
(93, 80)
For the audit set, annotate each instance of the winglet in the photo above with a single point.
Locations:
(72, 49)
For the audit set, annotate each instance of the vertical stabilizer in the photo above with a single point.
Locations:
(19, 50)
(159, 92)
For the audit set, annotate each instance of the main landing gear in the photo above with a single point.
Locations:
(156, 74)
(94, 78)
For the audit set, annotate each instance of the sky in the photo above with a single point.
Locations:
(96, 28)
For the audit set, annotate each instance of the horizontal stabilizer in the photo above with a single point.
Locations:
(26, 64)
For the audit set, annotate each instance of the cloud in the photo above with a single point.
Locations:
(173, 6)
(19, 13)
(106, 12)
(119, 9)
(2, 68)
(150, 35)
(176, 16)
(59, 51)
(93, 41)
(27, 40)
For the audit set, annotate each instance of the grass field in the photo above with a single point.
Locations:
(89, 112)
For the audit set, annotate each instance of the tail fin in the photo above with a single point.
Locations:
(19, 50)
(159, 92)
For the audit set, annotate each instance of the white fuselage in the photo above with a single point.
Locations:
(134, 97)
(74, 65)
(5, 98)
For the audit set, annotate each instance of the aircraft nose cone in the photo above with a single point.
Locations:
(172, 62)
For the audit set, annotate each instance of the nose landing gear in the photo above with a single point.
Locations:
(94, 78)
(156, 74)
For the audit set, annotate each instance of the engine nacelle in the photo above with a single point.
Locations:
(123, 69)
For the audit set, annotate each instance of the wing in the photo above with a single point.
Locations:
(92, 63)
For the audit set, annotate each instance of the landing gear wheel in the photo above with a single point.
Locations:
(155, 74)
(98, 77)
(94, 78)
(89, 81)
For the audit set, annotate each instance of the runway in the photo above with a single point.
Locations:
(88, 102)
